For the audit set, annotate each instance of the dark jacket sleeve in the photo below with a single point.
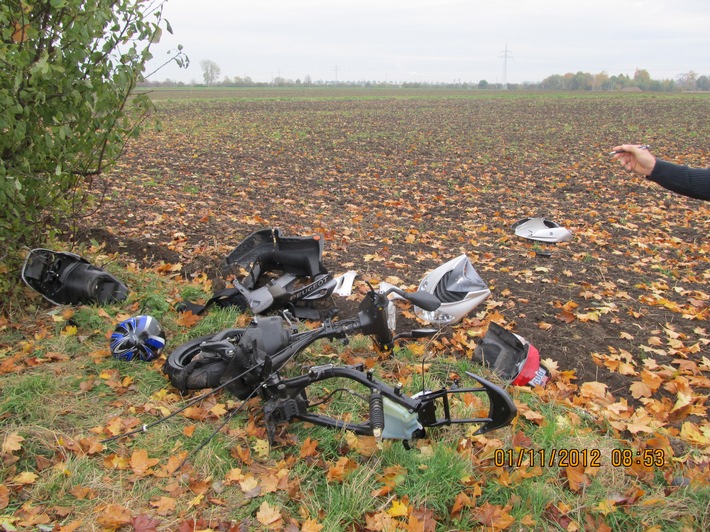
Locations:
(692, 182)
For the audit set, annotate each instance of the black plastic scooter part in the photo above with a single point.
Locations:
(299, 255)
(68, 279)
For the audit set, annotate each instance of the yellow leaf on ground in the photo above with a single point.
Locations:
(164, 505)
(269, 516)
(399, 509)
(639, 389)
(12, 443)
(218, 410)
(607, 506)
(26, 477)
(234, 475)
(114, 516)
(249, 483)
(261, 448)
(69, 330)
(311, 526)
(692, 434)
(141, 463)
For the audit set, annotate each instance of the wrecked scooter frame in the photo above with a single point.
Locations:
(247, 362)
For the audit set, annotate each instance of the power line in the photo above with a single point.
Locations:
(506, 55)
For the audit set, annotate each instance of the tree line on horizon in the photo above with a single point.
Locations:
(581, 81)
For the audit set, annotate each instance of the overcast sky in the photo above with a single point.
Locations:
(436, 40)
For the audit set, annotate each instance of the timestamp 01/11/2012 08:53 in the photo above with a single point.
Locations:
(577, 457)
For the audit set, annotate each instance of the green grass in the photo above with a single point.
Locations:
(60, 391)
(57, 405)
(175, 96)
(27, 398)
(341, 503)
(433, 477)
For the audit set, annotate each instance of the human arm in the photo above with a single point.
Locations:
(635, 158)
(691, 182)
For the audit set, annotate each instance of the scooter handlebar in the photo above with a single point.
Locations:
(423, 300)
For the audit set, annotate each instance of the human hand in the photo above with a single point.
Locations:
(634, 157)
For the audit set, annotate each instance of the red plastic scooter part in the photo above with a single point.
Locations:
(532, 373)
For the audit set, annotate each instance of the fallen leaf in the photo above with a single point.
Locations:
(141, 463)
(309, 448)
(494, 516)
(398, 509)
(187, 319)
(114, 516)
(4, 497)
(269, 516)
(249, 483)
(12, 443)
(164, 505)
(25, 478)
(309, 525)
(338, 471)
(145, 523)
(576, 478)
(640, 389)
(462, 501)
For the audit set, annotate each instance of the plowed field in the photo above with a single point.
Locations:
(400, 182)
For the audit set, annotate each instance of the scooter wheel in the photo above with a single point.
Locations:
(183, 355)
(188, 367)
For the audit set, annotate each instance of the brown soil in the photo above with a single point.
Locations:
(399, 186)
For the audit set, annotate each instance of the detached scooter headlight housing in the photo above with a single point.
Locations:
(511, 357)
